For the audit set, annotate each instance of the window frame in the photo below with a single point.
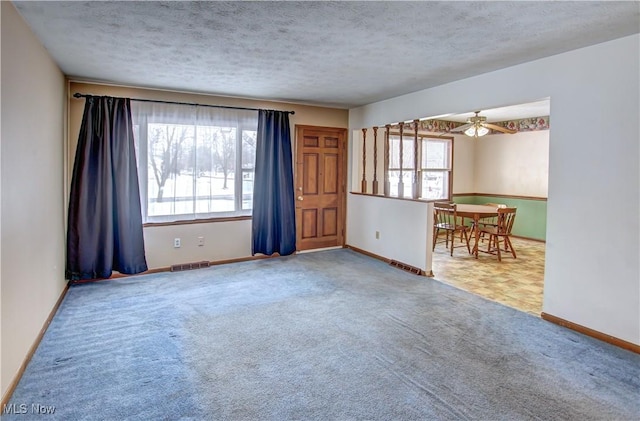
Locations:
(402, 168)
(448, 169)
(141, 135)
(421, 150)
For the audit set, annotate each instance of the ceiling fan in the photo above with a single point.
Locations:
(477, 126)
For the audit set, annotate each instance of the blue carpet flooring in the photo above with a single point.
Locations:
(330, 335)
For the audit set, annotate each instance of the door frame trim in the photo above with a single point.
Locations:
(345, 168)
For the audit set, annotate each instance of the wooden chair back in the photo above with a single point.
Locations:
(500, 233)
(445, 215)
(506, 218)
(490, 221)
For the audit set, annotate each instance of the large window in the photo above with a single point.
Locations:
(401, 166)
(194, 162)
(436, 168)
(434, 160)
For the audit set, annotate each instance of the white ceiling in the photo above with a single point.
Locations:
(513, 112)
(340, 54)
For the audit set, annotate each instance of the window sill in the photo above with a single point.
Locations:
(198, 221)
(398, 198)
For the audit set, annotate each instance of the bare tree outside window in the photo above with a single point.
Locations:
(249, 148)
(166, 142)
(224, 148)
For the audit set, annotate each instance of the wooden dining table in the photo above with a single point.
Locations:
(475, 212)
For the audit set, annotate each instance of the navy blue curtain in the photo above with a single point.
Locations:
(104, 230)
(274, 213)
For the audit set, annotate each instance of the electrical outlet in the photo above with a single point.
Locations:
(377, 235)
(176, 243)
(200, 241)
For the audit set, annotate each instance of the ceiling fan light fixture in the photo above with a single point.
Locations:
(475, 131)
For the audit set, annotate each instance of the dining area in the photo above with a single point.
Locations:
(487, 196)
(474, 222)
(474, 249)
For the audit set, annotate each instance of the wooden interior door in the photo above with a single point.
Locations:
(320, 187)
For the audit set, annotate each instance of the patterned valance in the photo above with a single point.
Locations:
(443, 126)
(526, 124)
(438, 126)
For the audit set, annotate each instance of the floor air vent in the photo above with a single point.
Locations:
(406, 267)
(189, 266)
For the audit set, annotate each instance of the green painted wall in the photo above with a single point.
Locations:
(531, 218)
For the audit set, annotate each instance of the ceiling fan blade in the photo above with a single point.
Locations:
(461, 128)
(442, 134)
(499, 128)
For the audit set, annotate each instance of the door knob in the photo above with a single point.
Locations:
(300, 198)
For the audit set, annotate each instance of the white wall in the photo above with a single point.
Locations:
(223, 241)
(379, 214)
(375, 214)
(464, 164)
(32, 245)
(593, 158)
(515, 164)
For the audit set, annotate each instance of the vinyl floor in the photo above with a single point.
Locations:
(517, 283)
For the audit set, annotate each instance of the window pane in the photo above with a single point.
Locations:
(216, 165)
(170, 171)
(196, 161)
(248, 165)
(394, 152)
(249, 148)
(407, 153)
(407, 179)
(435, 185)
(247, 189)
(435, 154)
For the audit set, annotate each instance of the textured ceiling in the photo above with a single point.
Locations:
(326, 53)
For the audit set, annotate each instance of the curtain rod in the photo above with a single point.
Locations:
(79, 95)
